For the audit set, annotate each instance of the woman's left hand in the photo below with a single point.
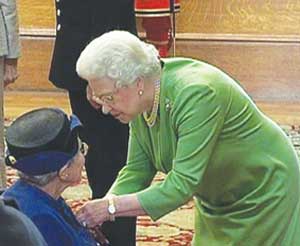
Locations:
(10, 71)
(93, 213)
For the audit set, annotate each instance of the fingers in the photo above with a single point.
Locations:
(100, 236)
(82, 216)
(9, 80)
(93, 213)
(10, 77)
(10, 74)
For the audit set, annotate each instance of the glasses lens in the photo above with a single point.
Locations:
(108, 98)
(84, 148)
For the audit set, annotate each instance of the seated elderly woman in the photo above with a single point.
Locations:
(196, 124)
(43, 146)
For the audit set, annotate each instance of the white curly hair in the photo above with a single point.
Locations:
(120, 56)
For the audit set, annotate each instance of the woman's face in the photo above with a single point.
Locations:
(74, 170)
(122, 103)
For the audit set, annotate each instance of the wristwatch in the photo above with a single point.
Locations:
(111, 209)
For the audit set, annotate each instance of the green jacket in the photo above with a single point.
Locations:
(217, 147)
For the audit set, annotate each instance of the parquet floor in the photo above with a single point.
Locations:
(17, 102)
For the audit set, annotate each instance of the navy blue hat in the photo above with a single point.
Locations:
(41, 141)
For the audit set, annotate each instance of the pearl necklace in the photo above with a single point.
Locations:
(151, 119)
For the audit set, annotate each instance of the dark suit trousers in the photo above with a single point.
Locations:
(108, 141)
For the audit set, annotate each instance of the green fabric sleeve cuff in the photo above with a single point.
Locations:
(159, 200)
(149, 203)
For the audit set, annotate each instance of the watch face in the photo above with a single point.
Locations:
(111, 209)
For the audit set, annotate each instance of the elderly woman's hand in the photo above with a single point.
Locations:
(10, 71)
(93, 213)
(89, 96)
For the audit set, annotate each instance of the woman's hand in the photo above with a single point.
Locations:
(10, 71)
(89, 96)
(93, 213)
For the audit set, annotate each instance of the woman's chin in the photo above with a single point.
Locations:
(126, 118)
(123, 121)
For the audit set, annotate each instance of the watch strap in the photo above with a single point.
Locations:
(111, 209)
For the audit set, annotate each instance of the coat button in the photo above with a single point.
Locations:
(58, 27)
(58, 12)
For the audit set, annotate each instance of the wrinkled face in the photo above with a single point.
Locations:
(122, 103)
(74, 170)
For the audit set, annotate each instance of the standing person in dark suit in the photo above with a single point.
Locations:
(79, 22)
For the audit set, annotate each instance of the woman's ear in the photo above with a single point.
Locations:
(140, 84)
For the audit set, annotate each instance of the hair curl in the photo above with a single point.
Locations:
(42, 180)
(120, 56)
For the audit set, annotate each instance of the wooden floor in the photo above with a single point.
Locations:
(18, 102)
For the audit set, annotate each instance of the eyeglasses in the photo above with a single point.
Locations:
(83, 147)
(107, 98)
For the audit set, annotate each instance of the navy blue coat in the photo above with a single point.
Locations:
(54, 219)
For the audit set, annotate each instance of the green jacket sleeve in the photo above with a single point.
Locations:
(197, 117)
(138, 172)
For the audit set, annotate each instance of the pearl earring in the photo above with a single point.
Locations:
(141, 92)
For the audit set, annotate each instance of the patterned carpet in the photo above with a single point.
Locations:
(176, 228)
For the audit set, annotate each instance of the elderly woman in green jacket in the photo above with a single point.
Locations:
(196, 124)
